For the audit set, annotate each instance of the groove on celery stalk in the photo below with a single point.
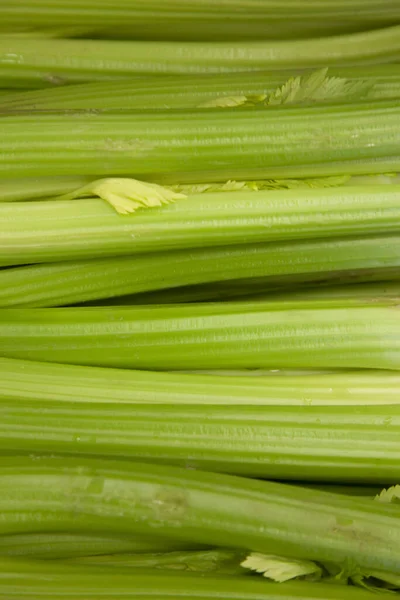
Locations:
(46, 231)
(37, 382)
(33, 188)
(217, 561)
(358, 444)
(47, 546)
(308, 334)
(188, 91)
(34, 581)
(206, 144)
(199, 20)
(269, 288)
(211, 508)
(249, 269)
(73, 60)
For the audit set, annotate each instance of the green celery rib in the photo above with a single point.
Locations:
(35, 581)
(35, 382)
(358, 444)
(199, 19)
(70, 60)
(188, 91)
(52, 546)
(206, 144)
(46, 231)
(210, 508)
(225, 272)
(308, 334)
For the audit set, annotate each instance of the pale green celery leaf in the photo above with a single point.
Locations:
(390, 495)
(126, 195)
(317, 87)
(266, 184)
(279, 568)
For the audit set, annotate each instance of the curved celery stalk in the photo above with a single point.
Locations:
(37, 382)
(198, 19)
(233, 270)
(52, 546)
(47, 231)
(211, 508)
(313, 443)
(188, 91)
(206, 145)
(308, 334)
(69, 60)
(34, 581)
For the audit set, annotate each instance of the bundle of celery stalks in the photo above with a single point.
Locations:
(199, 299)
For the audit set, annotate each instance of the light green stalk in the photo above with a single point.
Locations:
(206, 145)
(34, 581)
(35, 382)
(30, 59)
(308, 334)
(198, 19)
(83, 229)
(227, 272)
(249, 436)
(221, 510)
(188, 91)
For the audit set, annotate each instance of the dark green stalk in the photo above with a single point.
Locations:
(198, 19)
(225, 272)
(221, 510)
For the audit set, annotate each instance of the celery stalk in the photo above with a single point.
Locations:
(221, 510)
(199, 19)
(50, 546)
(358, 444)
(35, 581)
(308, 334)
(245, 270)
(206, 144)
(188, 91)
(48, 231)
(72, 60)
(35, 382)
